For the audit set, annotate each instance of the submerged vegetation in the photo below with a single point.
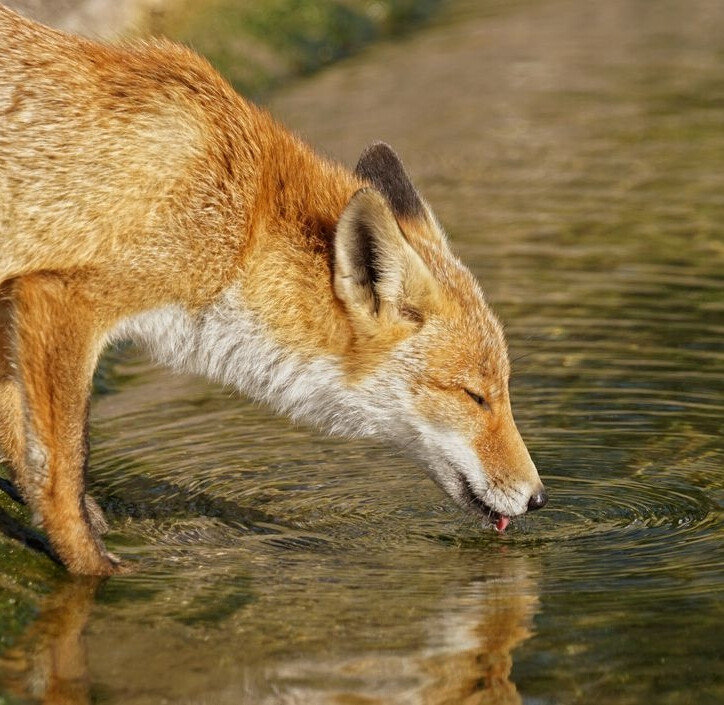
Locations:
(257, 45)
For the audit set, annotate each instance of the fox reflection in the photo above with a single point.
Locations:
(467, 659)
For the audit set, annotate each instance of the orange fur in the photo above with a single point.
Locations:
(134, 179)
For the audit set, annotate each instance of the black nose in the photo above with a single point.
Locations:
(538, 500)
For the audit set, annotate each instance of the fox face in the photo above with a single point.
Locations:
(448, 374)
(450, 380)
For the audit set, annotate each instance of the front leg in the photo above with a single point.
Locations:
(11, 425)
(57, 334)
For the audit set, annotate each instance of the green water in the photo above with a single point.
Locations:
(575, 153)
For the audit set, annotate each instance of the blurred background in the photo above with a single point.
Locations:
(255, 44)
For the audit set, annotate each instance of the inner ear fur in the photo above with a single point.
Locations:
(377, 273)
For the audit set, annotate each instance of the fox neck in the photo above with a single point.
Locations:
(286, 267)
(235, 348)
(277, 334)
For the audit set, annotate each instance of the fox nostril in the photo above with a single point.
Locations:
(538, 500)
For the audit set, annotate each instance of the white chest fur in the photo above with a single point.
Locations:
(226, 343)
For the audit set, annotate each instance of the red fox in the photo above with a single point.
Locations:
(142, 198)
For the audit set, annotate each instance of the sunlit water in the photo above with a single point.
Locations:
(575, 153)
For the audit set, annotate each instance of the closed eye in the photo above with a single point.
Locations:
(478, 399)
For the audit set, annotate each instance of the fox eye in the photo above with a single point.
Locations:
(478, 399)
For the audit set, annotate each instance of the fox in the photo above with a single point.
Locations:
(143, 199)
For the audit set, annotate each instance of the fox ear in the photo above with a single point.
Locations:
(381, 167)
(377, 273)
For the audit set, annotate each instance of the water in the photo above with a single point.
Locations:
(574, 152)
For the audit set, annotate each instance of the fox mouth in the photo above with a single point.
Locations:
(472, 500)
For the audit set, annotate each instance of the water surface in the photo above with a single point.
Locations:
(574, 152)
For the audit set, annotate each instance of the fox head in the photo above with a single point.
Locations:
(438, 365)
(380, 332)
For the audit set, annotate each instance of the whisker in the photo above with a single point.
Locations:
(413, 440)
(521, 357)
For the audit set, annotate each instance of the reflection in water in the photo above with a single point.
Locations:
(464, 658)
(49, 663)
(485, 623)
(464, 655)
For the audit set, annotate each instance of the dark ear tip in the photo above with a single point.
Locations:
(378, 153)
(381, 167)
(378, 146)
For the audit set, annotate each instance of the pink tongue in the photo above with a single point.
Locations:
(502, 522)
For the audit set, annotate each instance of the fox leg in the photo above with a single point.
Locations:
(11, 417)
(11, 429)
(55, 348)
(11, 438)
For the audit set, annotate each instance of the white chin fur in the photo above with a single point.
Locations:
(448, 456)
